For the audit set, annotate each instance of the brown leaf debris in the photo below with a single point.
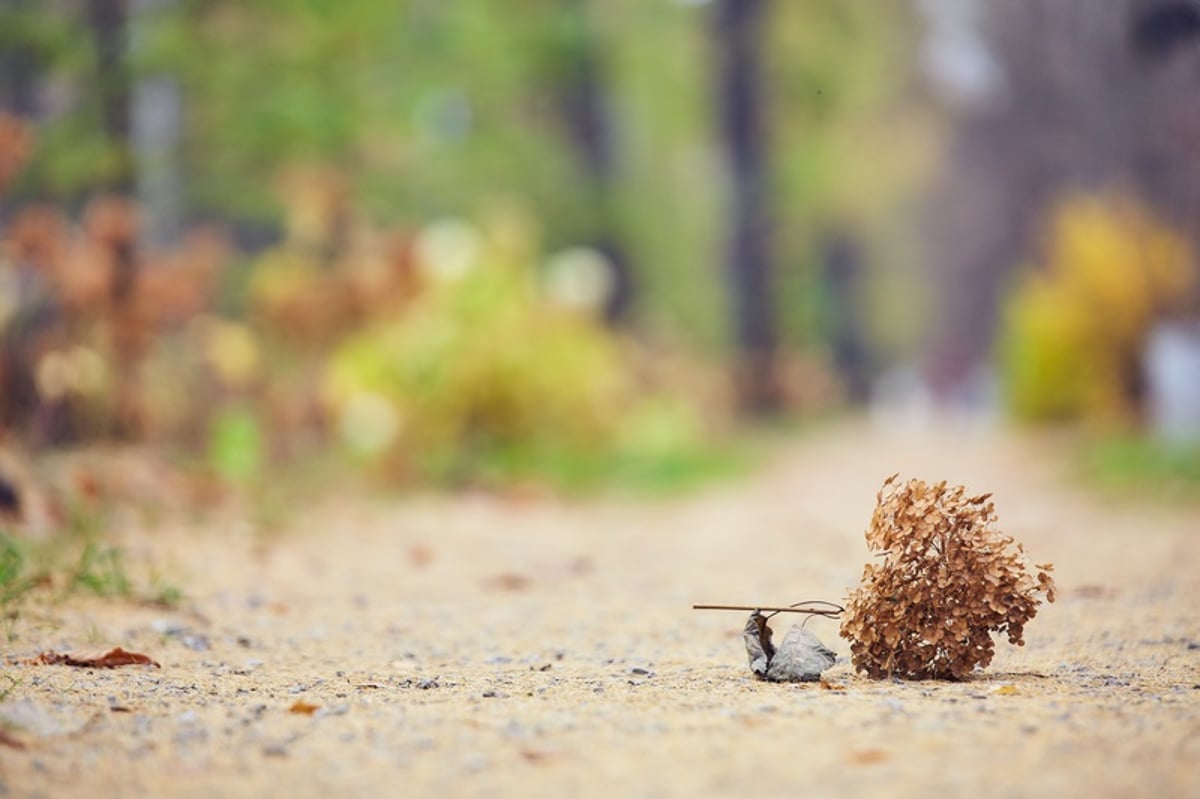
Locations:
(9, 740)
(101, 660)
(948, 579)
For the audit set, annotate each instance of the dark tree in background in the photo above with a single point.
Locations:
(738, 33)
(844, 266)
(109, 22)
(590, 125)
(1090, 97)
(18, 68)
(155, 136)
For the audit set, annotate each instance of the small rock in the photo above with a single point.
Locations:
(640, 670)
(426, 684)
(167, 627)
(474, 763)
(196, 643)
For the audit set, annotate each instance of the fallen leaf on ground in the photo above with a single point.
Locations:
(8, 740)
(508, 581)
(302, 707)
(102, 660)
(865, 757)
(832, 686)
(1095, 592)
(420, 556)
(1007, 690)
(536, 756)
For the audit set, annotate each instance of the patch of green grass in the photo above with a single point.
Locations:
(14, 583)
(163, 593)
(8, 684)
(663, 448)
(1138, 466)
(574, 471)
(101, 570)
(69, 562)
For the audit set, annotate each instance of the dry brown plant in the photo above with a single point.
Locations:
(948, 580)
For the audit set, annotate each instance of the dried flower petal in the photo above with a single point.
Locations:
(948, 579)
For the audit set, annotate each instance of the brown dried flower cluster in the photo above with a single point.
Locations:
(948, 579)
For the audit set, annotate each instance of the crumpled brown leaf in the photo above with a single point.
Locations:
(7, 739)
(100, 660)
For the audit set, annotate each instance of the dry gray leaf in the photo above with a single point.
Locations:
(800, 658)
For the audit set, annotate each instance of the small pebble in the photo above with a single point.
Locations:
(196, 643)
(167, 627)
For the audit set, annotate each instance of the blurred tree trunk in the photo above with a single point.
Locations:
(843, 264)
(748, 267)
(18, 72)
(109, 22)
(156, 126)
(589, 123)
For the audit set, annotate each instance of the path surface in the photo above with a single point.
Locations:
(483, 647)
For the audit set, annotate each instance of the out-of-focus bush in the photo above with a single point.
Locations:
(88, 315)
(493, 371)
(445, 354)
(1075, 327)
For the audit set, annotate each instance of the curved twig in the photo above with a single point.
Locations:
(829, 609)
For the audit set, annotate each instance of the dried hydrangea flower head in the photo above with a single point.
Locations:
(948, 579)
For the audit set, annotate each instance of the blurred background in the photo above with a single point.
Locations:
(579, 243)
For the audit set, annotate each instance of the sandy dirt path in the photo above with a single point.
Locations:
(475, 646)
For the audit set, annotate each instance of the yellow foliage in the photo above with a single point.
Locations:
(480, 361)
(1074, 328)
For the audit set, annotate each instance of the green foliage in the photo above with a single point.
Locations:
(483, 377)
(350, 125)
(1074, 329)
(1140, 467)
(14, 583)
(660, 450)
(448, 108)
(235, 449)
(101, 570)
